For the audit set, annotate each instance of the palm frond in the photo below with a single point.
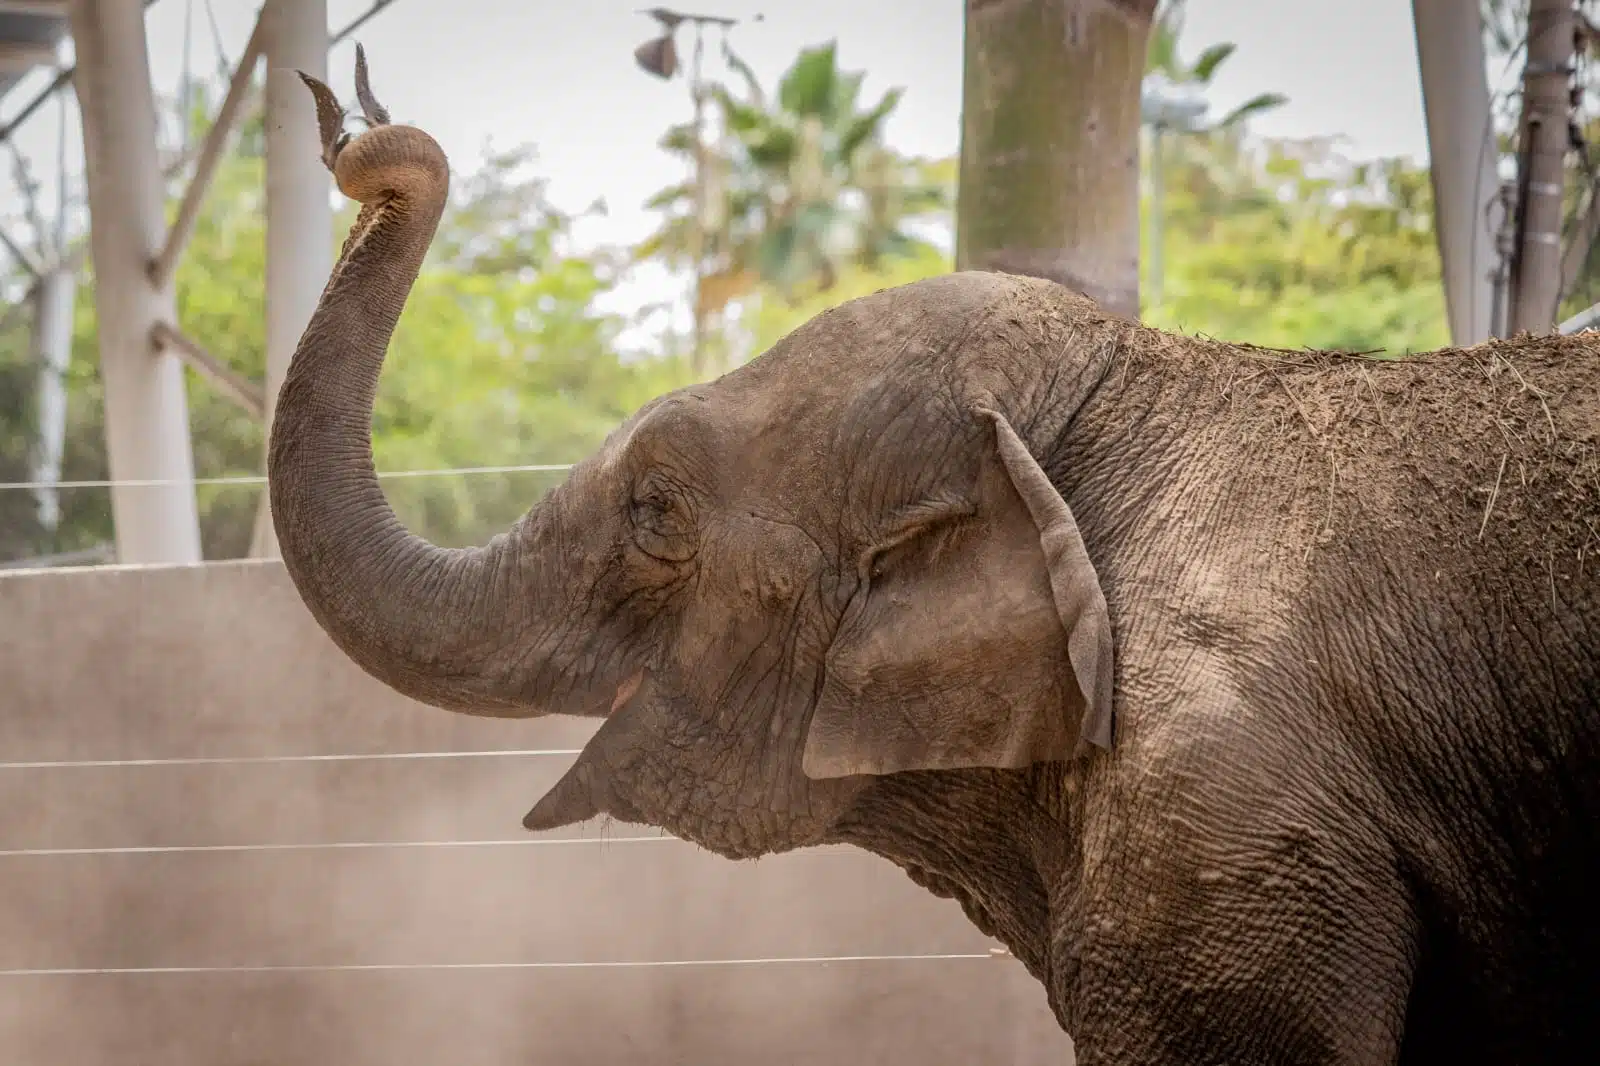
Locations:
(1254, 106)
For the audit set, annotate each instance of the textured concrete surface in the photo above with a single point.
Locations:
(255, 873)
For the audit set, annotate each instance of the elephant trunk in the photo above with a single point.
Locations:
(432, 623)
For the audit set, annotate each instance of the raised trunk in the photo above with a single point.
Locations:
(1050, 143)
(430, 622)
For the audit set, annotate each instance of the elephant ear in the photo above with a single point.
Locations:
(982, 638)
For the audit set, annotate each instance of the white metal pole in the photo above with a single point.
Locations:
(147, 418)
(299, 210)
(1464, 158)
(53, 299)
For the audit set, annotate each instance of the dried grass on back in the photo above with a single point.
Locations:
(1484, 457)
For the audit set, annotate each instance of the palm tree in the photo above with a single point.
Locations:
(798, 185)
(1164, 62)
(1173, 101)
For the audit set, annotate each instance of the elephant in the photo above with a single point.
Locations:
(1250, 697)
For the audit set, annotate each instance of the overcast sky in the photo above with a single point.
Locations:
(560, 74)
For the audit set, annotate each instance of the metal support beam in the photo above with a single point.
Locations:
(228, 381)
(53, 300)
(147, 419)
(166, 262)
(299, 210)
(1463, 156)
(63, 76)
(19, 57)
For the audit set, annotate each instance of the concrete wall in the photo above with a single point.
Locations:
(267, 907)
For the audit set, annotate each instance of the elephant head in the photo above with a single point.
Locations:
(839, 561)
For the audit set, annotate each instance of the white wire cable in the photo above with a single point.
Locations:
(246, 760)
(258, 479)
(390, 967)
(367, 845)
(344, 845)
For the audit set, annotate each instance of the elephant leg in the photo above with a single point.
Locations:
(1248, 947)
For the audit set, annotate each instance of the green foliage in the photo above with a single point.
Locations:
(1281, 244)
(774, 319)
(20, 534)
(502, 358)
(1286, 244)
(800, 185)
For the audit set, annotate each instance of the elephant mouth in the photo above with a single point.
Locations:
(585, 791)
(626, 691)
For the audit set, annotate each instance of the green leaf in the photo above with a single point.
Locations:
(868, 126)
(678, 140)
(846, 91)
(670, 196)
(740, 117)
(1212, 58)
(808, 87)
(1253, 106)
(774, 148)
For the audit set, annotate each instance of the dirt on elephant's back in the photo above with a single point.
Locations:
(1486, 457)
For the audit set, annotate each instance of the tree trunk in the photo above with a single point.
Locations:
(1536, 270)
(1050, 143)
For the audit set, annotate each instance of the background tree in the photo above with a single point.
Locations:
(1050, 143)
(801, 185)
(1289, 244)
(1164, 61)
(1284, 243)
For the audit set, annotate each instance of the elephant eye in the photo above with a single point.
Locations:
(662, 525)
(652, 506)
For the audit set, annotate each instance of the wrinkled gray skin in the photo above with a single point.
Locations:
(866, 589)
